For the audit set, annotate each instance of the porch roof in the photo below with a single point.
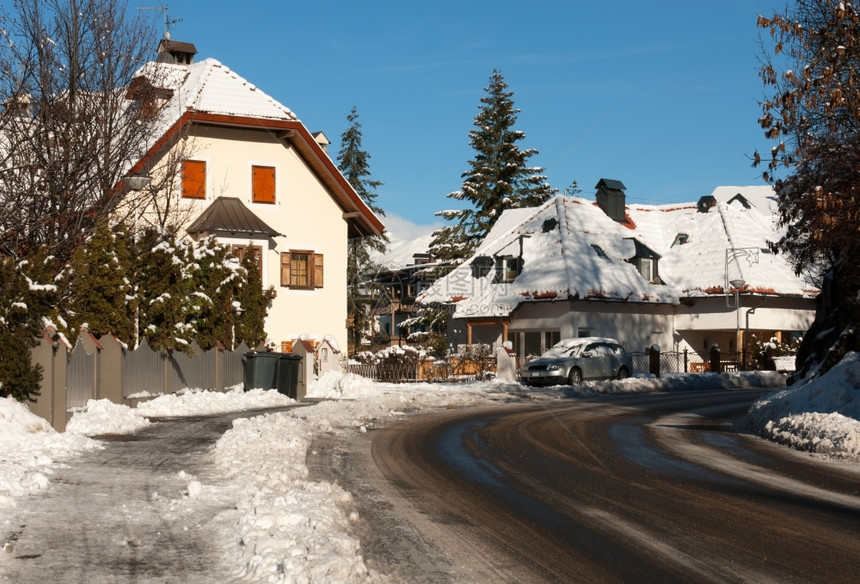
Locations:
(227, 216)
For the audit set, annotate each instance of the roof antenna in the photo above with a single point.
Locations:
(167, 22)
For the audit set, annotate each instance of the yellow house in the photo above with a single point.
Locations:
(231, 162)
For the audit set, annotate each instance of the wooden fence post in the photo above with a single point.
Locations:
(51, 353)
(109, 363)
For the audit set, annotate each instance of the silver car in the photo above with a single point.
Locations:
(572, 360)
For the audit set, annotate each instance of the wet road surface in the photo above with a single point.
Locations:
(641, 488)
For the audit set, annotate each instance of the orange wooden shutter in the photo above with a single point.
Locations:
(263, 184)
(318, 270)
(193, 179)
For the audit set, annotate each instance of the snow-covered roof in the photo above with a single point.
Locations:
(207, 86)
(401, 254)
(209, 92)
(762, 197)
(572, 249)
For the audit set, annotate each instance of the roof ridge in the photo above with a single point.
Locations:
(563, 230)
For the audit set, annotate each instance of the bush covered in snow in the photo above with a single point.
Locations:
(393, 363)
(764, 351)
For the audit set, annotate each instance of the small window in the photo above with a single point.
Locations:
(680, 239)
(241, 250)
(646, 268)
(481, 266)
(599, 250)
(193, 179)
(263, 184)
(507, 269)
(302, 270)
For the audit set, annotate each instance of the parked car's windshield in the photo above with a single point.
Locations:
(563, 349)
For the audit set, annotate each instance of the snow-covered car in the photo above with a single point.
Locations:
(572, 360)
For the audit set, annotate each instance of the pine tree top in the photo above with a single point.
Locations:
(499, 176)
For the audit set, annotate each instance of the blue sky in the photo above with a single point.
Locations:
(660, 94)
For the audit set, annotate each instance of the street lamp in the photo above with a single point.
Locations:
(136, 183)
(238, 311)
(737, 285)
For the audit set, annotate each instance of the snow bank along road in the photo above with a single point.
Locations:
(126, 513)
(632, 488)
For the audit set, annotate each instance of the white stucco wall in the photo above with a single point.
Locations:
(710, 321)
(763, 313)
(635, 326)
(638, 326)
(304, 213)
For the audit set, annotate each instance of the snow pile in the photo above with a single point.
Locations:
(103, 416)
(687, 382)
(336, 385)
(291, 529)
(196, 402)
(295, 530)
(29, 450)
(821, 415)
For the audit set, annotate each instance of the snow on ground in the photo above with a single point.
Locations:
(291, 529)
(822, 415)
(30, 450)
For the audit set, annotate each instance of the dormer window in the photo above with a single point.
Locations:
(482, 266)
(705, 203)
(422, 259)
(646, 268)
(739, 198)
(680, 239)
(507, 269)
(645, 259)
(599, 250)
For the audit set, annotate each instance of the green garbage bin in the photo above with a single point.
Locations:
(261, 370)
(288, 374)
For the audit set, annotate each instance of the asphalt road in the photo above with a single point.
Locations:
(641, 488)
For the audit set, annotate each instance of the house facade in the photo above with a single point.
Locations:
(233, 163)
(400, 285)
(683, 276)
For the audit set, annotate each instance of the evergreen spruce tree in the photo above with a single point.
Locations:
(219, 278)
(354, 163)
(499, 177)
(25, 298)
(165, 290)
(98, 286)
(254, 302)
